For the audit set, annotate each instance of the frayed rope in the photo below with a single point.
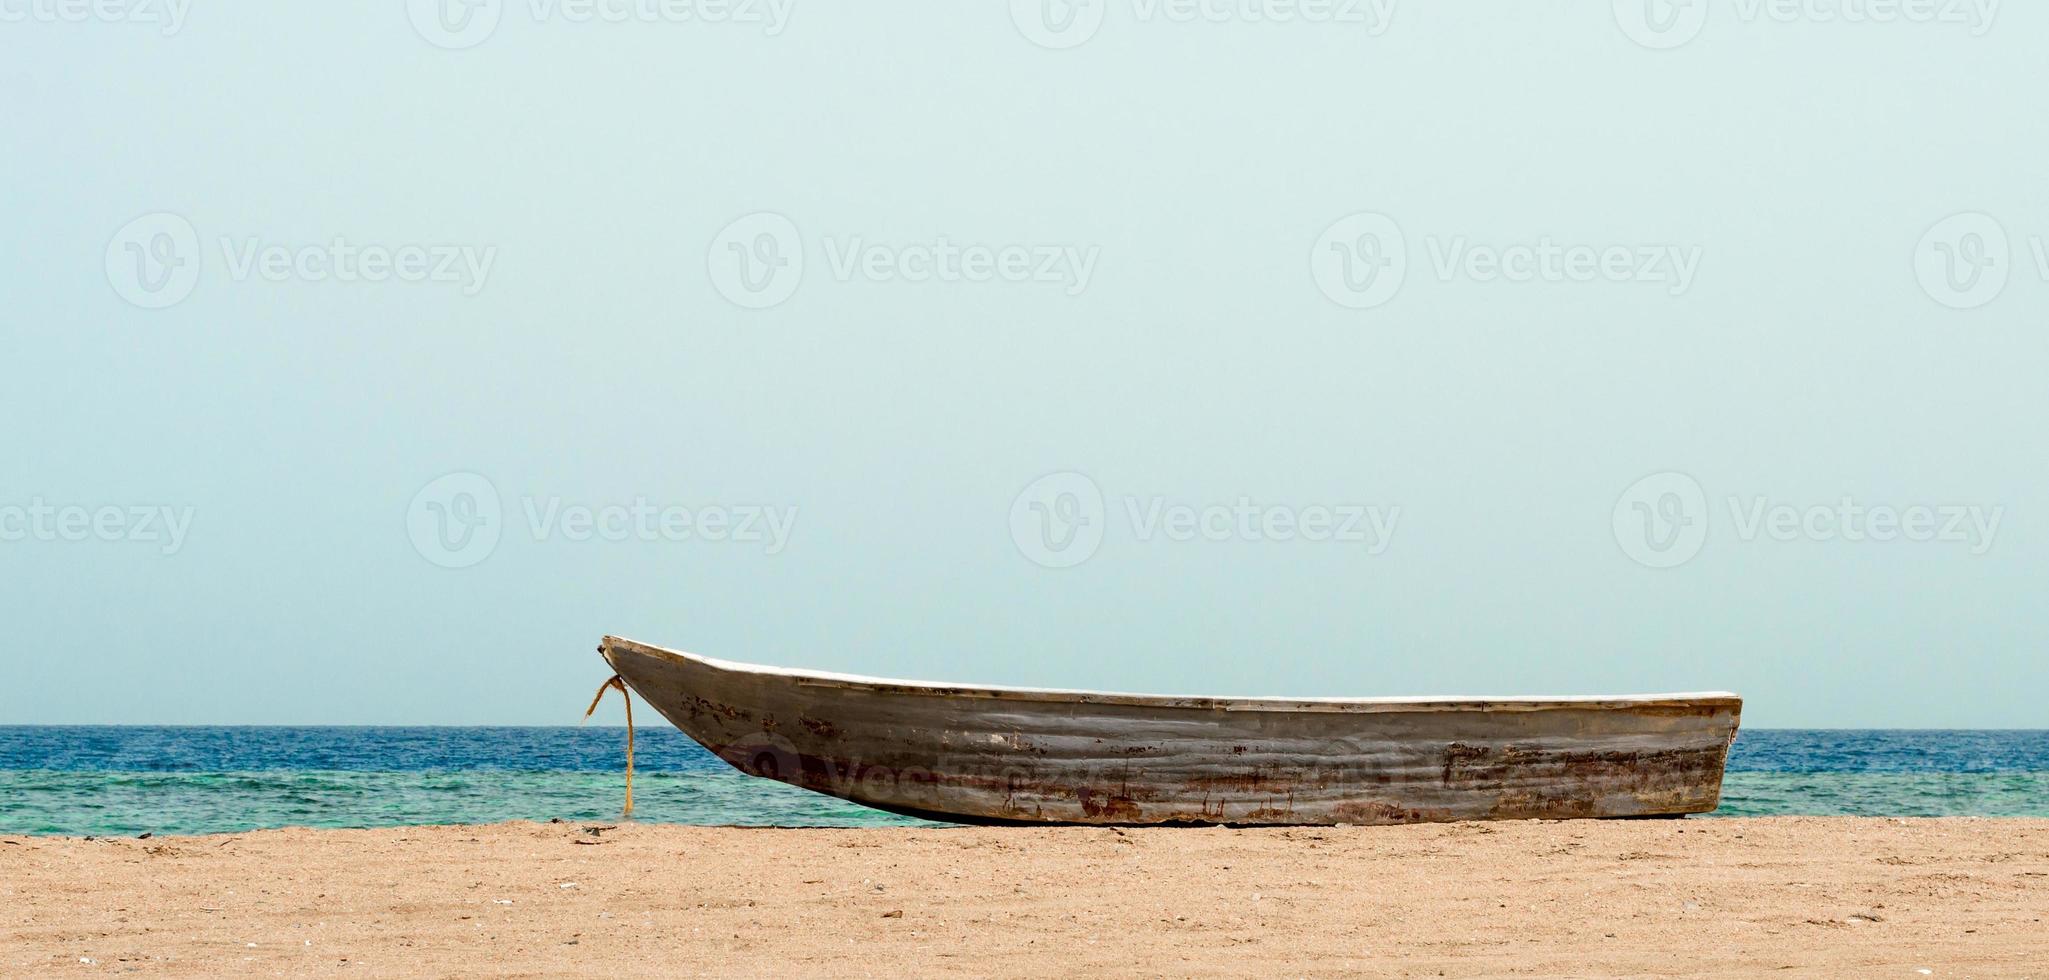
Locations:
(619, 683)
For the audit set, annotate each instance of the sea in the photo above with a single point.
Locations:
(135, 780)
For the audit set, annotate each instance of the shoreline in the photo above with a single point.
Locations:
(129, 803)
(910, 824)
(1733, 895)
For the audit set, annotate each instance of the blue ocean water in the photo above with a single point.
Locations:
(128, 780)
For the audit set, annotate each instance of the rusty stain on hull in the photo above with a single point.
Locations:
(1016, 755)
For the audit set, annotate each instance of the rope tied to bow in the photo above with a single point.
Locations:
(618, 683)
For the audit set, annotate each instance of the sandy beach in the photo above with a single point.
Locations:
(1792, 896)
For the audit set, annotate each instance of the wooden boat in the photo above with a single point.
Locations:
(1019, 755)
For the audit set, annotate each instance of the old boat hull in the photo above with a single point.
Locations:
(1011, 755)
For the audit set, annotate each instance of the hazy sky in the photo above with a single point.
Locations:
(365, 363)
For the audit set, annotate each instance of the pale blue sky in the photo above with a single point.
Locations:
(1800, 171)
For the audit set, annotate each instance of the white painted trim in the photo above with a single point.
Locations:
(1447, 702)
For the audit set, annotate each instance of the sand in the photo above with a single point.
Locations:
(1786, 896)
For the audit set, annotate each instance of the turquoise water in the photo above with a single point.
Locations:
(217, 780)
(114, 803)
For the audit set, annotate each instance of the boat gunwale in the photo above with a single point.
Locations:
(1696, 701)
